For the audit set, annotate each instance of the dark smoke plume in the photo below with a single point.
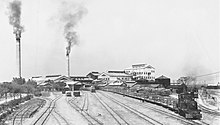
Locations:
(15, 16)
(71, 19)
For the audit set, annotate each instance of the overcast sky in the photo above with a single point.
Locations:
(177, 37)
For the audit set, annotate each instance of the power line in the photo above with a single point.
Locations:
(208, 74)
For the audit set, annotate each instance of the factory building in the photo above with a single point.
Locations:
(82, 79)
(114, 76)
(93, 75)
(160, 82)
(141, 72)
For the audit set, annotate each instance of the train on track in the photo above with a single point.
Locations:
(184, 103)
(92, 89)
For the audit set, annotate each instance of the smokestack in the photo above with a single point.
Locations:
(18, 52)
(68, 60)
(70, 17)
(14, 20)
(68, 66)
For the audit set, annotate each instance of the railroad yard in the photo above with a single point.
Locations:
(101, 108)
(118, 62)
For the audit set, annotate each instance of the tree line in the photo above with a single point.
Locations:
(17, 86)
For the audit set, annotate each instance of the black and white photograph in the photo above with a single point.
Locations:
(109, 62)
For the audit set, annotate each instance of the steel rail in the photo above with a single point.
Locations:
(49, 110)
(16, 115)
(209, 111)
(85, 114)
(166, 113)
(134, 111)
(190, 122)
(87, 106)
(106, 106)
(56, 119)
(67, 123)
(22, 116)
(200, 122)
(84, 101)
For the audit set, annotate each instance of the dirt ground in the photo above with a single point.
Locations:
(106, 111)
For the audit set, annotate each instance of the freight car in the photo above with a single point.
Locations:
(92, 89)
(184, 104)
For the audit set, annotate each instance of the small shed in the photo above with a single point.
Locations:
(165, 81)
(117, 83)
(130, 83)
(74, 85)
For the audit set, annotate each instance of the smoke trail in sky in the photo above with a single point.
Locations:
(15, 16)
(71, 19)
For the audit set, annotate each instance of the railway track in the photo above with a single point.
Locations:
(165, 113)
(85, 102)
(18, 117)
(42, 119)
(84, 112)
(200, 122)
(118, 118)
(59, 118)
(208, 111)
(136, 112)
(26, 111)
(188, 122)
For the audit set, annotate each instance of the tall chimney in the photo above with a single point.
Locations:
(68, 66)
(18, 52)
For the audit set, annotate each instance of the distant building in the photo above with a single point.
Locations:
(41, 80)
(117, 83)
(52, 77)
(38, 79)
(93, 75)
(114, 76)
(62, 79)
(141, 72)
(45, 83)
(165, 81)
(82, 79)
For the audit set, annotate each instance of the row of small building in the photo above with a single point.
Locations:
(142, 74)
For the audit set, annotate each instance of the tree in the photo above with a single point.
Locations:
(19, 81)
(59, 86)
(32, 83)
(16, 89)
(6, 87)
(28, 88)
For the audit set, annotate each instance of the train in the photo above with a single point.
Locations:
(68, 93)
(184, 103)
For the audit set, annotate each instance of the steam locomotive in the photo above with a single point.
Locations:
(187, 106)
(184, 104)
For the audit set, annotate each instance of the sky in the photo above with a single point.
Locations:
(178, 38)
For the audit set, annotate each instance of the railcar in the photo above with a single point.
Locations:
(76, 93)
(92, 89)
(68, 93)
